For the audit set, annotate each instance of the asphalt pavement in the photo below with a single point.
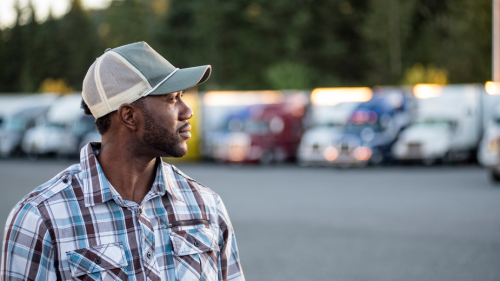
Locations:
(379, 223)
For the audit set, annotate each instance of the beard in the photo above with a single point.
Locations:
(161, 138)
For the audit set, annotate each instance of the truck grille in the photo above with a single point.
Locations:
(344, 149)
(414, 149)
(315, 147)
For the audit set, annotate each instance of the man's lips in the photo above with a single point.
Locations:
(184, 131)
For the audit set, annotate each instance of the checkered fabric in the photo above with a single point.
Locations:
(77, 227)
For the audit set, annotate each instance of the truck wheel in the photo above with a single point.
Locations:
(495, 176)
(33, 156)
(377, 158)
(62, 157)
(429, 161)
(266, 158)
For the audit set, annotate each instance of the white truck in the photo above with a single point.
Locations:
(489, 150)
(447, 127)
(488, 154)
(328, 123)
(54, 134)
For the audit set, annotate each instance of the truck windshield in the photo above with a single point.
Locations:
(329, 125)
(435, 122)
(14, 124)
(256, 127)
(357, 128)
(249, 126)
(83, 126)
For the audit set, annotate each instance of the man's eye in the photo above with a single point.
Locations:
(176, 97)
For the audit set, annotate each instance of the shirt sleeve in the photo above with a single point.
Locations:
(27, 246)
(229, 260)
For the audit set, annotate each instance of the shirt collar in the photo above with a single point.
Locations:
(96, 188)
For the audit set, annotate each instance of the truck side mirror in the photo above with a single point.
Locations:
(276, 125)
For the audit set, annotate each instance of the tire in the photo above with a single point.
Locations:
(62, 157)
(266, 158)
(377, 158)
(495, 177)
(33, 156)
(429, 161)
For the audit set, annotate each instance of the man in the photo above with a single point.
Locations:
(122, 213)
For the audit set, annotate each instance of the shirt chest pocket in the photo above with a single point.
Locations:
(194, 254)
(102, 262)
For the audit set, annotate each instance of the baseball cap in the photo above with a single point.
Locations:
(127, 73)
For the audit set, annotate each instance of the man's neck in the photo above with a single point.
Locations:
(131, 175)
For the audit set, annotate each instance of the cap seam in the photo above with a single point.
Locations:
(135, 69)
(177, 88)
(100, 89)
(134, 66)
(160, 83)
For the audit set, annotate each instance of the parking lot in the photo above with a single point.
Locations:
(379, 223)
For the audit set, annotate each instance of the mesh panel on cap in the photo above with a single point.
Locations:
(89, 88)
(116, 76)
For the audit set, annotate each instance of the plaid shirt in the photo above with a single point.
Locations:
(77, 227)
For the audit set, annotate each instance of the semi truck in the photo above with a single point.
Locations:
(27, 113)
(65, 122)
(370, 128)
(259, 134)
(447, 127)
(326, 126)
(488, 154)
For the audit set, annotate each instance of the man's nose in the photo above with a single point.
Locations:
(185, 112)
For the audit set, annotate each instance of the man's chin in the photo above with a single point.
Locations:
(177, 153)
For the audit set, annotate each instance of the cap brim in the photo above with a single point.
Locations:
(184, 79)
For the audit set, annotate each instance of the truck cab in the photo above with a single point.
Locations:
(447, 126)
(328, 124)
(372, 129)
(488, 153)
(260, 134)
(368, 131)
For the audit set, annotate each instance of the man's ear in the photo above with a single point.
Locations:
(129, 116)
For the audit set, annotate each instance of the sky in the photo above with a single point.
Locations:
(42, 7)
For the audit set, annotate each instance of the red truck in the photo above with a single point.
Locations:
(262, 134)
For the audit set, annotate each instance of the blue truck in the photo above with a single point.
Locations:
(370, 131)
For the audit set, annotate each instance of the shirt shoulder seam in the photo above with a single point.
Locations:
(55, 185)
(179, 172)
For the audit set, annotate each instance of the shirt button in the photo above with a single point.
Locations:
(140, 211)
(65, 180)
(97, 260)
(196, 243)
(149, 255)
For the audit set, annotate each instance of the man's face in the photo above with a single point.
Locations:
(166, 125)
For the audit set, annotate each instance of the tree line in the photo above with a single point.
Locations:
(260, 44)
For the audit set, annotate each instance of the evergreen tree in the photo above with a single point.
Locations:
(32, 72)
(259, 44)
(246, 40)
(126, 22)
(387, 30)
(80, 46)
(13, 55)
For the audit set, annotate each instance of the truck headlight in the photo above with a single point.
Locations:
(330, 153)
(239, 145)
(493, 146)
(363, 153)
